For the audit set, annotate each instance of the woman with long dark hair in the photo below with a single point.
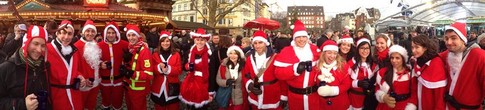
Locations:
(430, 71)
(215, 61)
(166, 85)
(396, 86)
(230, 76)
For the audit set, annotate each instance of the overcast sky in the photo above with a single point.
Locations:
(333, 7)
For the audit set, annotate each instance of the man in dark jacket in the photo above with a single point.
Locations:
(325, 37)
(21, 92)
(153, 38)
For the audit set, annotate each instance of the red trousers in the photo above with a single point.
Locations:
(112, 96)
(173, 106)
(137, 100)
(90, 98)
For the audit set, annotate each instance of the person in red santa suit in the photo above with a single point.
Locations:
(294, 65)
(89, 63)
(264, 90)
(65, 77)
(430, 72)
(138, 70)
(112, 55)
(194, 89)
(167, 68)
(396, 86)
(362, 71)
(334, 80)
(466, 83)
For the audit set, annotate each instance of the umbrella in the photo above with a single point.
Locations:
(262, 23)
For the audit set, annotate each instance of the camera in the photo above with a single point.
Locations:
(42, 98)
(308, 66)
(191, 66)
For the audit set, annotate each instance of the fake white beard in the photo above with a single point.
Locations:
(66, 50)
(455, 61)
(92, 54)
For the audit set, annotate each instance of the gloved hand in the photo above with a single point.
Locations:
(301, 67)
(129, 73)
(191, 66)
(283, 104)
(127, 55)
(254, 90)
(363, 84)
(308, 66)
(229, 82)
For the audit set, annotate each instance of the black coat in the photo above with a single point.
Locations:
(11, 46)
(321, 40)
(152, 39)
(12, 77)
(280, 43)
(215, 62)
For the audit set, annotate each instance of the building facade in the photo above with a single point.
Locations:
(312, 16)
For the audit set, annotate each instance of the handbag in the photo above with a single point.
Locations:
(223, 95)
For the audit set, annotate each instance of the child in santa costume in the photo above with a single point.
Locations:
(167, 65)
(263, 89)
(194, 89)
(383, 42)
(112, 55)
(294, 65)
(138, 70)
(430, 72)
(89, 63)
(230, 76)
(362, 71)
(332, 73)
(65, 77)
(466, 74)
(346, 47)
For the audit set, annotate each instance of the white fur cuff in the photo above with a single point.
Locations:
(284, 98)
(410, 106)
(354, 83)
(295, 66)
(198, 73)
(247, 85)
(380, 96)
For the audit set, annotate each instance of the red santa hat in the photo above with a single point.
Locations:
(114, 26)
(66, 23)
(347, 39)
(399, 49)
(33, 32)
(329, 45)
(236, 48)
(132, 28)
(362, 40)
(260, 36)
(89, 25)
(165, 34)
(460, 28)
(299, 30)
(200, 33)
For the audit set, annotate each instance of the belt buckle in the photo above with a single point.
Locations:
(308, 90)
(111, 77)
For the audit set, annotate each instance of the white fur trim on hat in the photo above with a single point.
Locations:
(89, 27)
(22, 27)
(134, 32)
(462, 37)
(300, 33)
(347, 40)
(330, 47)
(260, 38)
(399, 49)
(235, 48)
(117, 33)
(201, 35)
(165, 35)
(362, 40)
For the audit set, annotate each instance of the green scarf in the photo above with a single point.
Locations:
(31, 62)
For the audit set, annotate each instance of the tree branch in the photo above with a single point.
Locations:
(194, 4)
(219, 16)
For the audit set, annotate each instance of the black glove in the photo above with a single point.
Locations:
(108, 65)
(191, 66)
(254, 90)
(42, 98)
(301, 67)
(283, 104)
(308, 66)
(363, 84)
(229, 82)
(127, 55)
(77, 84)
(129, 73)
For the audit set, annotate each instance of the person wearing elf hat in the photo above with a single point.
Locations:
(383, 42)
(294, 64)
(138, 70)
(65, 78)
(194, 89)
(89, 63)
(167, 66)
(332, 75)
(264, 91)
(229, 76)
(24, 79)
(395, 84)
(112, 55)
(466, 83)
(362, 69)
(346, 47)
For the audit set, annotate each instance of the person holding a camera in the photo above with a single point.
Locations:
(112, 55)
(24, 77)
(294, 65)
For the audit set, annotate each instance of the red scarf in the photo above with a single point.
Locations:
(381, 56)
(203, 65)
(134, 48)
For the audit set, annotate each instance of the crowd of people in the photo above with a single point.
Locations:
(339, 71)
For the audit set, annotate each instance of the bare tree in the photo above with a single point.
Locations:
(216, 9)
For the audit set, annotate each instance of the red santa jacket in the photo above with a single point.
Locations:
(162, 79)
(360, 74)
(84, 67)
(272, 93)
(431, 84)
(342, 83)
(112, 53)
(403, 83)
(140, 64)
(286, 63)
(468, 85)
(64, 73)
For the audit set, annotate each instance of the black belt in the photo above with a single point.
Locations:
(111, 78)
(452, 101)
(360, 93)
(303, 91)
(400, 97)
(268, 82)
(73, 86)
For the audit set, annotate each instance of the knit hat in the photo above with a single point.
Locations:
(479, 38)
(299, 30)
(89, 25)
(113, 25)
(200, 33)
(361, 40)
(329, 45)
(261, 36)
(235, 48)
(33, 32)
(165, 34)
(346, 38)
(399, 49)
(132, 28)
(460, 29)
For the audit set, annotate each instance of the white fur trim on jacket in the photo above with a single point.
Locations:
(197, 105)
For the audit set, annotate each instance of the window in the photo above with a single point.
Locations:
(191, 6)
(179, 18)
(179, 8)
(191, 18)
(185, 7)
(185, 18)
(204, 21)
(229, 21)
(204, 11)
